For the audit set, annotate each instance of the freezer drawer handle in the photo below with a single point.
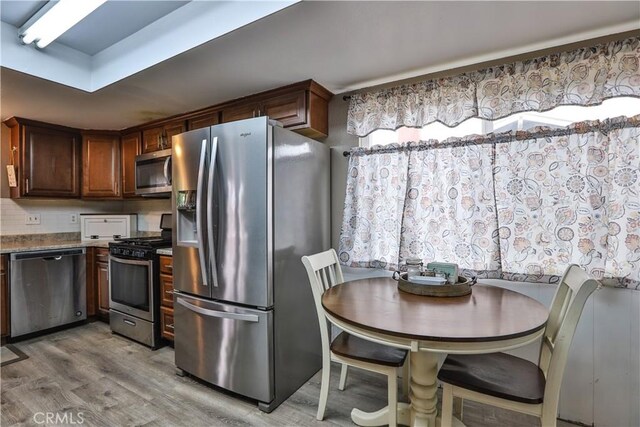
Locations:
(222, 314)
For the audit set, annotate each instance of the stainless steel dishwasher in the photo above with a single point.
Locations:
(47, 289)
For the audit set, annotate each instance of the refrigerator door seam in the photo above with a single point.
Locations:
(212, 250)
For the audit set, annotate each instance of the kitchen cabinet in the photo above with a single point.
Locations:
(204, 121)
(166, 298)
(240, 111)
(101, 277)
(4, 294)
(302, 107)
(46, 158)
(159, 137)
(129, 149)
(101, 166)
(91, 291)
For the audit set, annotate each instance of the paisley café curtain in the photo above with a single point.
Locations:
(515, 205)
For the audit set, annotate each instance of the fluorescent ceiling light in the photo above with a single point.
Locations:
(56, 18)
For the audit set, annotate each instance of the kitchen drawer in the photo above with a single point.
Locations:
(166, 322)
(166, 265)
(166, 288)
(102, 255)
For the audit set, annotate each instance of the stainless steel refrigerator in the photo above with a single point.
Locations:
(249, 199)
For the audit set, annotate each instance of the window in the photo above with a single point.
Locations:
(557, 117)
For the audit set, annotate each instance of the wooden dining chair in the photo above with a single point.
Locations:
(509, 382)
(324, 272)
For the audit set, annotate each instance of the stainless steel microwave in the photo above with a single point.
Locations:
(153, 174)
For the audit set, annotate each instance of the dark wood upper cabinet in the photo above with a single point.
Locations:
(240, 111)
(302, 107)
(101, 166)
(46, 159)
(129, 149)
(204, 121)
(159, 137)
(289, 109)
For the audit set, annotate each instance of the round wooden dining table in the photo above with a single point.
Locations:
(488, 320)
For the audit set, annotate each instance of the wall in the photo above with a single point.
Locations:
(55, 215)
(339, 141)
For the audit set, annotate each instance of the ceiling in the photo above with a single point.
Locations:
(342, 45)
(109, 24)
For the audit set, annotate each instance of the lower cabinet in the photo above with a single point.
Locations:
(4, 293)
(101, 276)
(166, 297)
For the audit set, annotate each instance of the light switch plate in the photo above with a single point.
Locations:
(32, 219)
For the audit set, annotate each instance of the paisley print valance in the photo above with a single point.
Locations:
(585, 76)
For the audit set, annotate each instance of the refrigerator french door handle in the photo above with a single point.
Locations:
(212, 246)
(221, 314)
(199, 212)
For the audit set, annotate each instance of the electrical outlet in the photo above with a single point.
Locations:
(73, 219)
(32, 219)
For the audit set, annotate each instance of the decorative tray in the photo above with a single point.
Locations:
(461, 288)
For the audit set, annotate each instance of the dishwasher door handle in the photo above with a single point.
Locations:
(53, 258)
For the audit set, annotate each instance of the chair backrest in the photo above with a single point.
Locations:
(324, 272)
(571, 295)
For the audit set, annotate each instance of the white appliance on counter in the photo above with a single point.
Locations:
(107, 226)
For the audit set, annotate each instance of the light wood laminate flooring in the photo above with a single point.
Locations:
(112, 381)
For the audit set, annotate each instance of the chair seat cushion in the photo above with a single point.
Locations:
(367, 351)
(496, 374)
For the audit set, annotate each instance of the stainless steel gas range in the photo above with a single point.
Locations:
(134, 289)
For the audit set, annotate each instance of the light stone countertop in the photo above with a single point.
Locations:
(43, 242)
(7, 248)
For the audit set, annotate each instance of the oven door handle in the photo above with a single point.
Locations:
(129, 261)
(221, 314)
(200, 213)
(212, 246)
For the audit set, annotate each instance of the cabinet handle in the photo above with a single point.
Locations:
(159, 142)
(27, 185)
(169, 326)
(169, 292)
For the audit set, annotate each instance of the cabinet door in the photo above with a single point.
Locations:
(166, 323)
(102, 282)
(101, 166)
(130, 146)
(152, 140)
(204, 121)
(171, 130)
(239, 112)
(289, 109)
(4, 293)
(51, 163)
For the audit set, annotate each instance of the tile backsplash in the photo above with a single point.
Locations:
(55, 215)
